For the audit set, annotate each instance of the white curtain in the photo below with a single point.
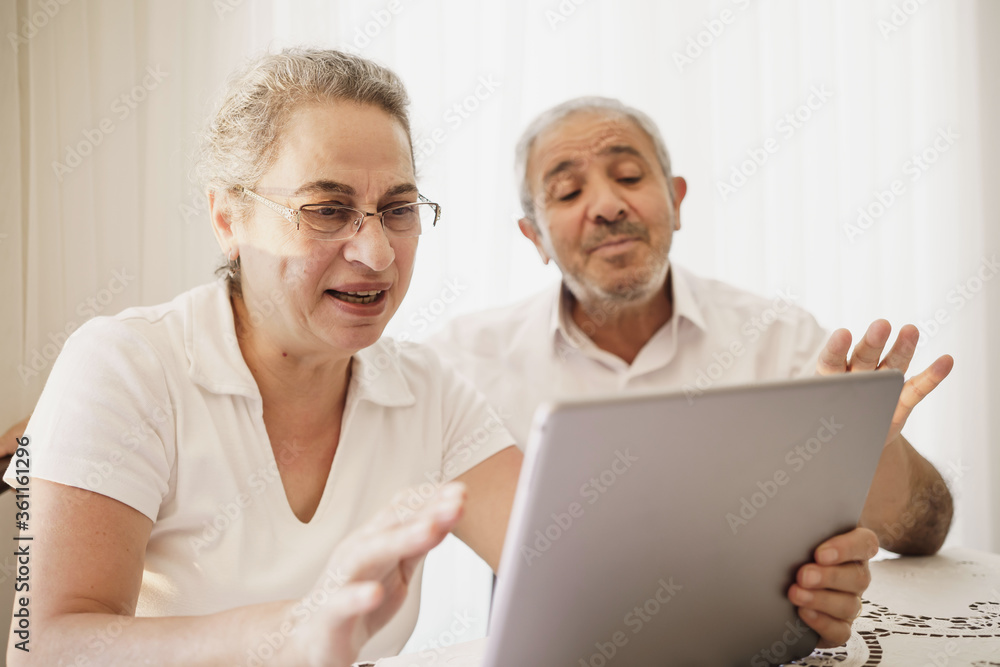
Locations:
(785, 117)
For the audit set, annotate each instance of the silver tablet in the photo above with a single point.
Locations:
(666, 529)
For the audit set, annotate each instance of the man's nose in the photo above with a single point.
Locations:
(607, 205)
(370, 246)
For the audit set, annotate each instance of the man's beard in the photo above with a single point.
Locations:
(639, 283)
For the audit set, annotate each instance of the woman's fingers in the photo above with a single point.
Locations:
(409, 505)
(333, 631)
(368, 576)
(386, 541)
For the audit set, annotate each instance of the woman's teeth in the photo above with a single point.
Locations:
(356, 297)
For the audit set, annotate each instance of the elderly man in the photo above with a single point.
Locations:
(600, 201)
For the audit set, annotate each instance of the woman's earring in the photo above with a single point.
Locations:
(234, 264)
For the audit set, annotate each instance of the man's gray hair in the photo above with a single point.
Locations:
(600, 105)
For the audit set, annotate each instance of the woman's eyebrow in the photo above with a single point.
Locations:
(323, 187)
(401, 189)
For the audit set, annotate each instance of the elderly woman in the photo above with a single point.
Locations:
(201, 464)
(212, 480)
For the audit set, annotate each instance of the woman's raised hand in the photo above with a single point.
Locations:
(368, 577)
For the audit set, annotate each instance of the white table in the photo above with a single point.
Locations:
(938, 611)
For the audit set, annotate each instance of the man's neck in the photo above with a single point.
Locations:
(623, 329)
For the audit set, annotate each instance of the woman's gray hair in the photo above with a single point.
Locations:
(242, 140)
(600, 105)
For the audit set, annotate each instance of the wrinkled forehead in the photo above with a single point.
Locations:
(582, 137)
(350, 183)
(343, 142)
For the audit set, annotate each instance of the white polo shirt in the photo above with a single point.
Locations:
(532, 351)
(157, 408)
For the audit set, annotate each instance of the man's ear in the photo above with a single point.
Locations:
(220, 211)
(680, 189)
(530, 231)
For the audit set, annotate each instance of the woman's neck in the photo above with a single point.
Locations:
(307, 390)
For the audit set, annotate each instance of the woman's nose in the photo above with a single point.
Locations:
(370, 246)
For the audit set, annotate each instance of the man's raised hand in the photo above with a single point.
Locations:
(867, 355)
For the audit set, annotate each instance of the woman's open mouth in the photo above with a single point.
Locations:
(369, 296)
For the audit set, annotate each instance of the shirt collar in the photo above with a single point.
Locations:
(685, 305)
(215, 360)
(376, 375)
(561, 324)
(217, 364)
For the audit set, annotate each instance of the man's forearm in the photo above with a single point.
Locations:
(909, 505)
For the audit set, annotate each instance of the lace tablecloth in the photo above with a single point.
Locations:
(935, 611)
(938, 611)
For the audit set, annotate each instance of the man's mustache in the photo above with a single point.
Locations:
(623, 228)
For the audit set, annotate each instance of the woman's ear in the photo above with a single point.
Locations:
(220, 210)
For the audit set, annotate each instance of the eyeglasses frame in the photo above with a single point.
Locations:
(293, 215)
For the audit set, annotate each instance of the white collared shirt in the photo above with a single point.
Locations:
(157, 409)
(531, 352)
